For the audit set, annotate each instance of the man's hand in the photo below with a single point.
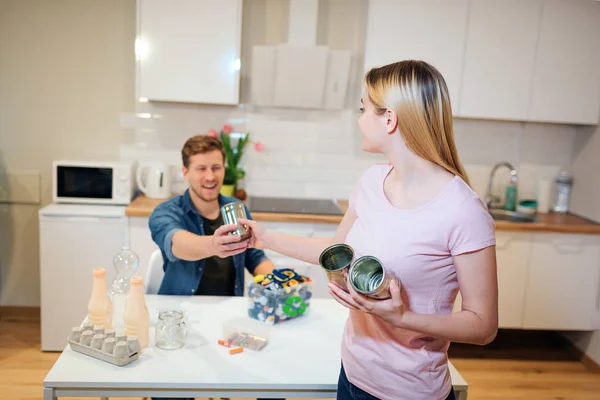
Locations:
(225, 245)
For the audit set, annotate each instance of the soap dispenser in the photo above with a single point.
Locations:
(510, 202)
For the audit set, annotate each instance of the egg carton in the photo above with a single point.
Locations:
(106, 345)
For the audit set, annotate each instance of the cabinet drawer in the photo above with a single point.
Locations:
(562, 291)
(512, 256)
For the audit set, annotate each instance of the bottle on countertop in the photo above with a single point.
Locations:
(562, 191)
(137, 318)
(99, 305)
(126, 263)
(510, 202)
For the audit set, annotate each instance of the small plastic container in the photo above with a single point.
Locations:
(246, 332)
(275, 306)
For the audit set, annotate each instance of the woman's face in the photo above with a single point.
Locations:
(373, 127)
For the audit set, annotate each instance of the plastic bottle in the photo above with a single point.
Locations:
(126, 263)
(100, 306)
(137, 318)
(563, 185)
(510, 203)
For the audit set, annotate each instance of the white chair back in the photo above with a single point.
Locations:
(155, 273)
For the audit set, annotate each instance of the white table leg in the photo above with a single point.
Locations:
(49, 394)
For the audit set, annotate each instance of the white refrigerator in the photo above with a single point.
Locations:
(74, 239)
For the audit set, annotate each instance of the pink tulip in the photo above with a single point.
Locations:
(227, 128)
(259, 146)
(213, 133)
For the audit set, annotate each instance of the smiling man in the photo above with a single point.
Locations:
(200, 257)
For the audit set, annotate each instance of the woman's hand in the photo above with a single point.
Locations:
(390, 310)
(260, 235)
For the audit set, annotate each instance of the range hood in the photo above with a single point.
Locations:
(299, 73)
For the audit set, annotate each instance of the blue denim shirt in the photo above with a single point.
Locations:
(182, 277)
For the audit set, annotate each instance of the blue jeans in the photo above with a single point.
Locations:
(347, 391)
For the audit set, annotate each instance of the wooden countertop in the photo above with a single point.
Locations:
(143, 206)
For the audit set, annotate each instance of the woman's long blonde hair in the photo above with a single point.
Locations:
(417, 92)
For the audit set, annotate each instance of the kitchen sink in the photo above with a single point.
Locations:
(512, 216)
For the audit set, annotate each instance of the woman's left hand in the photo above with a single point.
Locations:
(390, 310)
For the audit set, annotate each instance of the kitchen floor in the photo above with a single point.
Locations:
(517, 365)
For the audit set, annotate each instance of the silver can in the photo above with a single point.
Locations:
(368, 277)
(335, 260)
(231, 212)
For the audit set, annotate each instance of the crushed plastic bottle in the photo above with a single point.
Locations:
(126, 262)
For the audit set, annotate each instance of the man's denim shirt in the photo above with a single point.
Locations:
(182, 277)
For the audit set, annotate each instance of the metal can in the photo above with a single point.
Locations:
(335, 260)
(368, 277)
(231, 212)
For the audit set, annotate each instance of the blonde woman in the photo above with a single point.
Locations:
(419, 216)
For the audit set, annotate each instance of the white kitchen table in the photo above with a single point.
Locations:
(301, 360)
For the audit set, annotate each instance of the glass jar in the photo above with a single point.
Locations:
(170, 331)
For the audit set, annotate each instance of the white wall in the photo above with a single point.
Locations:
(300, 146)
(586, 164)
(66, 75)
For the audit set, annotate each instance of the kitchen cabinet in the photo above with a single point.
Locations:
(512, 257)
(499, 59)
(563, 286)
(566, 77)
(433, 31)
(535, 60)
(189, 50)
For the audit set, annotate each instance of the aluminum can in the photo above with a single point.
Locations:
(231, 212)
(368, 277)
(335, 260)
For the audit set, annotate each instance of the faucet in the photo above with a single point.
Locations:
(491, 200)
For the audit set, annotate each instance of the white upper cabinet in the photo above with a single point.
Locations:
(433, 31)
(189, 50)
(566, 79)
(499, 59)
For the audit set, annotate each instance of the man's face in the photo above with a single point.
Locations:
(205, 174)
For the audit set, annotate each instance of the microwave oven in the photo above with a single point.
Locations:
(89, 182)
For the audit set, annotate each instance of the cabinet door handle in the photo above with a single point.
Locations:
(567, 247)
(598, 291)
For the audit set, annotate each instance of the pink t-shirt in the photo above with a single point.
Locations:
(416, 246)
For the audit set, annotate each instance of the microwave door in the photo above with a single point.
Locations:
(75, 182)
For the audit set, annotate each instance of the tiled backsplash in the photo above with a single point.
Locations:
(317, 154)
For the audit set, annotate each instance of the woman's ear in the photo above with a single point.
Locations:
(391, 121)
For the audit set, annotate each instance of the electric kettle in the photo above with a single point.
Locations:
(156, 182)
